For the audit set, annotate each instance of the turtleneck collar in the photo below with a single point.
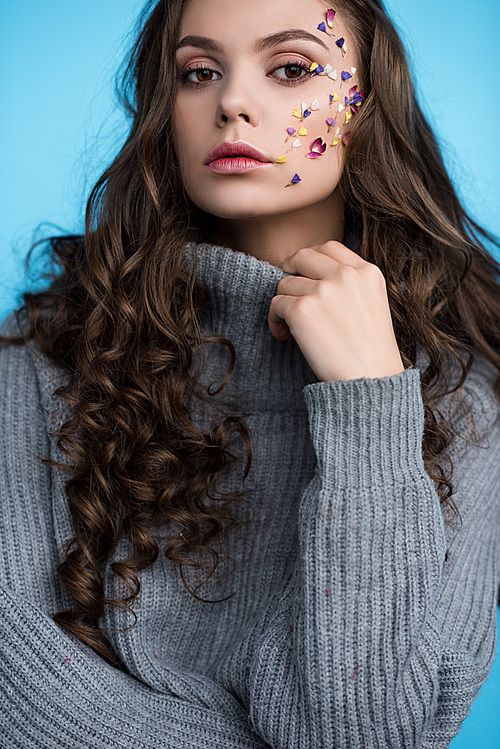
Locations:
(269, 374)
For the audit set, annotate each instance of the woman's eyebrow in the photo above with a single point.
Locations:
(265, 42)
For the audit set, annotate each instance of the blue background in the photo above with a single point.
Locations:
(60, 127)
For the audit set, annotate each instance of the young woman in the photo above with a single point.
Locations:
(232, 426)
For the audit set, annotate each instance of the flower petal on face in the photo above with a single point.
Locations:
(353, 90)
(341, 107)
(345, 75)
(319, 146)
(330, 15)
(313, 67)
(302, 131)
(340, 41)
(296, 113)
(333, 97)
(354, 110)
(281, 160)
(313, 155)
(315, 105)
(296, 143)
(296, 179)
(353, 70)
(322, 26)
(344, 48)
(307, 112)
(318, 70)
(330, 122)
(328, 68)
(291, 131)
(335, 141)
(346, 101)
(348, 116)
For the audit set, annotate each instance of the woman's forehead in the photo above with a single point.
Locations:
(258, 26)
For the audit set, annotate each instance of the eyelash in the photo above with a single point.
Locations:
(286, 81)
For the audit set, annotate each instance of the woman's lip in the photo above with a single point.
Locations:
(234, 164)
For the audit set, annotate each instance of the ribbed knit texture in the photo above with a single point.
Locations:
(347, 629)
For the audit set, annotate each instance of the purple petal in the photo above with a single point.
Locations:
(331, 122)
(322, 26)
(291, 131)
(313, 155)
(307, 112)
(346, 101)
(345, 75)
(296, 179)
(318, 70)
(318, 145)
(340, 41)
(331, 98)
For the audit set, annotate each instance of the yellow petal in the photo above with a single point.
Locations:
(335, 141)
(334, 98)
(281, 160)
(313, 67)
(302, 131)
(296, 113)
(348, 116)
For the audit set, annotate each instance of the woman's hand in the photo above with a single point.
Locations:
(336, 307)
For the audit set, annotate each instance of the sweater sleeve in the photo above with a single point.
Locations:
(55, 691)
(376, 641)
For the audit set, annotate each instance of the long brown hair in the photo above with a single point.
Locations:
(121, 314)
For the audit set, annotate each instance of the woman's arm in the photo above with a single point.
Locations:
(55, 692)
(374, 643)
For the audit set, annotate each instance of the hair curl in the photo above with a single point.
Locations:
(122, 312)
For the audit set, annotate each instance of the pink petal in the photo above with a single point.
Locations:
(313, 155)
(330, 15)
(318, 145)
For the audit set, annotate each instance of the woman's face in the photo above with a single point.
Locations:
(247, 89)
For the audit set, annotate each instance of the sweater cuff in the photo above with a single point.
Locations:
(367, 431)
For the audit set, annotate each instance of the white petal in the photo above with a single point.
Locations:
(296, 143)
(328, 69)
(341, 107)
(333, 75)
(315, 105)
(353, 70)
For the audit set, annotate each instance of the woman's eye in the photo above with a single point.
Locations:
(203, 74)
(295, 69)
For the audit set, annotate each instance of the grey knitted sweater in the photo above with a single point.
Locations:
(347, 627)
